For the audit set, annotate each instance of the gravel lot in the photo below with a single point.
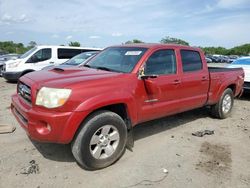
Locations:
(165, 154)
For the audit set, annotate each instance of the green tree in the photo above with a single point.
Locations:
(240, 50)
(237, 50)
(171, 40)
(134, 41)
(11, 47)
(216, 50)
(32, 44)
(75, 43)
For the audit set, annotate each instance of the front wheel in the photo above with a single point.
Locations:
(100, 141)
(224, 107)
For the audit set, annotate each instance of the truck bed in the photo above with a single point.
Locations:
(222, 69)
(221, 78)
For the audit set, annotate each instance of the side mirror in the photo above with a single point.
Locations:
(151, 87)
(32, 59)
(144, 76)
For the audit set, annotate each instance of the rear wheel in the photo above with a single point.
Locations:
(224, 107)
(101, 140)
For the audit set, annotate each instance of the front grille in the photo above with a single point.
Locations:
(24, 91)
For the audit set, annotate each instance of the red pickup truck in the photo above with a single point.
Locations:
(95, 107)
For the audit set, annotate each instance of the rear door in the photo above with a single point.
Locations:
(194, 80)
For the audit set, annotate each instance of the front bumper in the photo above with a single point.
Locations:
(11, 76)
(46, 126)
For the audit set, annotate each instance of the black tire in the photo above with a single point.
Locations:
(217, 109)
(81, 148)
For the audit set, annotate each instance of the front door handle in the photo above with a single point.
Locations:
(51, 62)
(176, 82)
(204, 78)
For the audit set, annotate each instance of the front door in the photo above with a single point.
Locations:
(162, 88)
(40, 59)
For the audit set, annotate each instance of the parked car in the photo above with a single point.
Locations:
(208, 60)
(214, 59)
(96, 107)
(38, 58)
(5, 58)
(74, 61)
(244, 63)
(232, 58)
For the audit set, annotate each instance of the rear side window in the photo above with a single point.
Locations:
(161, 62)
(64, 53)
(191, 60)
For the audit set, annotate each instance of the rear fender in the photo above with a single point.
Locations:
(215, 97)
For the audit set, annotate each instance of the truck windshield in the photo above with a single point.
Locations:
(117, 59)
(26, 54)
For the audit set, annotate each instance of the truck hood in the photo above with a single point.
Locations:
(63, 77)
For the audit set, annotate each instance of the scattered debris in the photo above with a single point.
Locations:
(165, 170)
(33, 168)
(202, 133)
(172, 136)
(7, 129)
(178, 154)
(151, 182)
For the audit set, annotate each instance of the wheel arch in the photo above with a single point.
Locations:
(26, 72)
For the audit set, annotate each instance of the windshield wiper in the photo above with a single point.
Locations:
(103, 68)
(86, 65)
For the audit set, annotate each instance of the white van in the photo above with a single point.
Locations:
(38, 58)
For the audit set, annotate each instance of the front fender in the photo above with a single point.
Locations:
(106, 99)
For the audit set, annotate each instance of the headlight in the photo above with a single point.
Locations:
(52, 97)
(14, 64)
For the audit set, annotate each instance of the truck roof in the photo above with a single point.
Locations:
(156, 45)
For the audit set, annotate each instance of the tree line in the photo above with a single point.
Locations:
(19, 48)
(237, 50)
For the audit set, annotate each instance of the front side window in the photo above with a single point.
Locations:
(40, 55)
(118, 59)
(191, 60)
(161, 62)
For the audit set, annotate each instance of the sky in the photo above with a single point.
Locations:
(100, 23)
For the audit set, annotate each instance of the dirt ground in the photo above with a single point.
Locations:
(166, 154)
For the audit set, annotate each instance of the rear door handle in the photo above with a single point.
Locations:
(176, 82)
(51, 62)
